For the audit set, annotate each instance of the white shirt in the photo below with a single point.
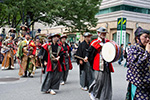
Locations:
(101, 41)
(101, 60)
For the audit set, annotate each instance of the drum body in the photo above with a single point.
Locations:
(111, 52)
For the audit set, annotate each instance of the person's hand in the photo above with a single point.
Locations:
(102, 44)
(58, 58)
(31, 56)
(148, 47)
(45, 63)
(81, 62)
(86, 59)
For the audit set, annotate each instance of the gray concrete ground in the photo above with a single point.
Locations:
(29, 88)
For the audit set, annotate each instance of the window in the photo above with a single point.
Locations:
(115, 37)
(116, 8)
(124, 7)
(103, 11)
(127, 38)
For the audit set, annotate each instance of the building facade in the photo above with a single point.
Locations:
(137, 13)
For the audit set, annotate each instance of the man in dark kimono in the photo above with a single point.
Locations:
(86, 72)
(54, 71)
(66, 61)
(101, 87)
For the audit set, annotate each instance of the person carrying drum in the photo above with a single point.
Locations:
(86, 77)
(138, 64)
(101, 88)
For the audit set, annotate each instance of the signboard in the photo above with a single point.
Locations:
(121, 31)
(121, 24)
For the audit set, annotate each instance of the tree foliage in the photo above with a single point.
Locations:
(77, 15)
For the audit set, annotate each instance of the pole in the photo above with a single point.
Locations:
(121, 31)
(78, 57)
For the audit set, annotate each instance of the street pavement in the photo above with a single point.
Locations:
(29, 88)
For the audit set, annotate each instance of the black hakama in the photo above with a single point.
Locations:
(86, 70)
(65, 63)
(101, 87)
(65, 72)
(86, 75)
(51, 81)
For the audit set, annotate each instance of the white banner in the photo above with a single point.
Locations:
(121, 38)
(124, 38)
(118, 37)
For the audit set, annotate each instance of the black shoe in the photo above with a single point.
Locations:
(29, 75)
(24, 76)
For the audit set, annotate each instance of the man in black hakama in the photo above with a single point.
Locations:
(54, 70)
(86, 71)
(101, 88)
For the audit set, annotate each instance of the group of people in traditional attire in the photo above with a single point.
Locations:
(95, 72)
(56, 58)
(53, 54)
(22, 47)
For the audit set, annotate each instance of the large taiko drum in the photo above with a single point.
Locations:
(111, 52)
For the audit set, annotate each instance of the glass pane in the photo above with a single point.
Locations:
(124, 7)
(103, 11)
(117, 8)
(127, 38)
(115, 37)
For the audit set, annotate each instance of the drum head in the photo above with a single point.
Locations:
(108, 52)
